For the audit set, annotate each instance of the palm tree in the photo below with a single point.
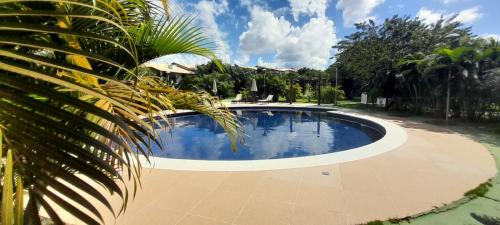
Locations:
(458, 62)
(73, 103)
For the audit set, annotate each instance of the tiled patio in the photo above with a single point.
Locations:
(432, 168)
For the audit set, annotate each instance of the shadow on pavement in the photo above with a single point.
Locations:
(486, 220)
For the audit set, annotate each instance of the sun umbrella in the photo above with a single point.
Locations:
(254, 86)
(214, 87)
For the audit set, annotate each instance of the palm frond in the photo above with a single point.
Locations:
(172, 36)
(64, 115)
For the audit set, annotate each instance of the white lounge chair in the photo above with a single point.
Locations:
(268, 99)
(381, 102)
(238, 98)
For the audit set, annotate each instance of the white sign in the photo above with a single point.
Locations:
(364, 98)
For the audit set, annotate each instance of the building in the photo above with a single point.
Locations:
(171, 71)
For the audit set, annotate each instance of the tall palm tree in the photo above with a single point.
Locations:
(458, 63)
(73, 104)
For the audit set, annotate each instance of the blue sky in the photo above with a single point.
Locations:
(298, 33)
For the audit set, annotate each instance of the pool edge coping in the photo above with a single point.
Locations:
(394, 137)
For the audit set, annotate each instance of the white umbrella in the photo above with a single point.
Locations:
(254, 86)
(214, 87)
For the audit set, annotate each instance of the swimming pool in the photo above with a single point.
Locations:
(271, 133)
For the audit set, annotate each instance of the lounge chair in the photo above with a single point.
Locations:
(268, 99)
(238, 98)
(381, 102)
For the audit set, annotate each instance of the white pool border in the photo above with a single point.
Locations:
(395, 136)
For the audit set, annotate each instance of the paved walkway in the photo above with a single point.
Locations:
(434, 167)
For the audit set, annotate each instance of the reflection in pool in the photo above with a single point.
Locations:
(270, 134)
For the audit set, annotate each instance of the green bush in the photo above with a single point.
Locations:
(247, 95)
(190, 83)
(225, 84)
(276, 85)
(308, 92)
(296, 92)
(328, 94)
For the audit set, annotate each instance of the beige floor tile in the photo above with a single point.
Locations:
(265, 212)
(461, 169)
(423, 189)
(362, 207)
(243, 180)
(197, 220)
(277, 191)
(321, 197)
(223, 204)
(205, 180)
(279, 185)
(362, 178)
(325, 176)
(408, 205)
(312, 216)
(151, 217)
(182, 197)
(289, 175)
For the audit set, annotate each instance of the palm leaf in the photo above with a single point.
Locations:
(7, 212)
(19, 206)
(172, 36)
(64, 114)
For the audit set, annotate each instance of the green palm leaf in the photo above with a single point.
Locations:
(65, 115)
(172, 36)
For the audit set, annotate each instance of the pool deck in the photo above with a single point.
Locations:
(433, 167)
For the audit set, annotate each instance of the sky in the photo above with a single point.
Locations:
(300, 33)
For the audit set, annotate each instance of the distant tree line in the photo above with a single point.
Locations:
(238, 80)
(414, 64)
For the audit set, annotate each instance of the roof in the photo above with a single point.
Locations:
(286, 70)
(246, 67)
(190, 67)
(171, 68)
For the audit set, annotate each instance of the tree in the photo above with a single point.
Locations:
(368, 59)
(457, 62)
(409, 62)
(73, 102)
(461, 71)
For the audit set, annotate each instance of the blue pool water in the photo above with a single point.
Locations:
(270, 134)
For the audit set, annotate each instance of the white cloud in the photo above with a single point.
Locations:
(245, 3)
(283, 11)
(489, 36)
(291, 46)
(261, 62)
(468, 16)
(265, 33)
(449, 1)
(308, 8)
(429, 16)
(250, 3)
(309, 45)
(355, 11)
(207, 11)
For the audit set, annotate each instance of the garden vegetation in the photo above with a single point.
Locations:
(414, 64)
